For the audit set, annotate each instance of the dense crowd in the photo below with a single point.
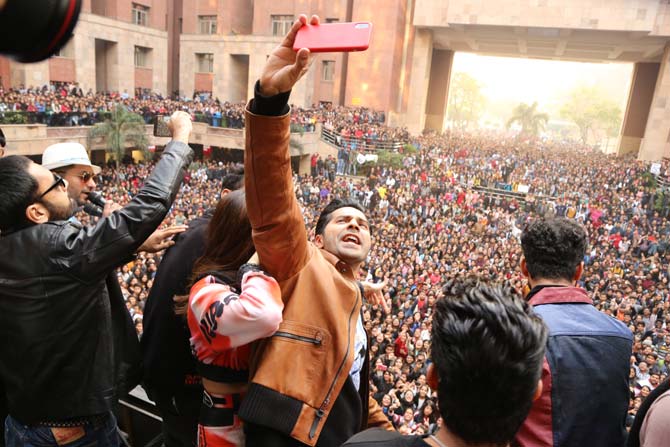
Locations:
(63, 104)
(433, 220)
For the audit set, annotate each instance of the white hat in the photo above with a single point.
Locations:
(66, 154)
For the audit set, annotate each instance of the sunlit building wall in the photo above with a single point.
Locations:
(118, 45)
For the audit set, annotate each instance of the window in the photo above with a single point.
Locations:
(328, 71)
(332, 20)
(205, 62)
(140, 14)
(207, 24)
(142, 57)
(281, 25)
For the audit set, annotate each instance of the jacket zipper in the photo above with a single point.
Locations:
(320, 413)
(315, 341)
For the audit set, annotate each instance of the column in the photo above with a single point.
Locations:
(438, 89)
(637, 110)
(418, 81)
(655, 143)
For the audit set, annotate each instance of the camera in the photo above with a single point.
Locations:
(33, 30)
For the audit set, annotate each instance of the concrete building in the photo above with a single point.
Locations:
(220, 46)
(407, 69)
(593, 30)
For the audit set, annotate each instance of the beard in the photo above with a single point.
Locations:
(57, 212)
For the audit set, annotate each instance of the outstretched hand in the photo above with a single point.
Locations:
(161, 239)
(284, 66)
(374, 294)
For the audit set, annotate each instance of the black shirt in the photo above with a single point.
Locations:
(168, 362)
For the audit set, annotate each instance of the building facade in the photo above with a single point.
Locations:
(118, 45)
(407, 69)
(218, 47)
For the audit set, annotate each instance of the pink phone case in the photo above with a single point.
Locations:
(334, 37)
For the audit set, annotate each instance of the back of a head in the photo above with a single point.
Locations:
(229, 243)
(234, 180)
(553, 248)
(17, 190)
(488, 348)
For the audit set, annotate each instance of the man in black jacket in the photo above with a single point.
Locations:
(70, 161)
(57, 346)
(170, 375)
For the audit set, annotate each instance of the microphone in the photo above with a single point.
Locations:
(96, 198)
(92, 210)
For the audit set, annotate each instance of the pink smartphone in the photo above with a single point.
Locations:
(334, 37)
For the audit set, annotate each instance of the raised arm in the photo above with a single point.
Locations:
(116, 237)
(279, 231)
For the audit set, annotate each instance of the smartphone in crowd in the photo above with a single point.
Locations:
(334, 37)
(161, 125)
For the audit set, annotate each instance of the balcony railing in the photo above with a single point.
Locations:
(360, 144)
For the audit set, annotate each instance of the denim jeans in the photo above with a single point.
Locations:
(340, 166)
(101, 434)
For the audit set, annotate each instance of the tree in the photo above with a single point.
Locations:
(609, 118)
(122, 128)
(591, 111)
(466, 100)
(530, 120)
(389, 158)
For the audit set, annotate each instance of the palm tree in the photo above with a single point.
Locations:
(529, 118)
(123, 128)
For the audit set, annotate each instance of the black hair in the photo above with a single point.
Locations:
(234, 180)
(335, 204)
(17, 190)
(487, 348)
(553, 248)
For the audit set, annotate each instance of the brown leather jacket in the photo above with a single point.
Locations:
(297, 374)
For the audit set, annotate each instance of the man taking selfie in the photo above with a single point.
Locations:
(309, 382)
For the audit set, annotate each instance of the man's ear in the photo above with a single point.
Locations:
(225, 191)
(37, 213)
(318, 240)
(431, 377)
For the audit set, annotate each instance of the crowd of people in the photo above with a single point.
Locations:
(433, 222)
(61, 104)
(66, 104)
(447, 207)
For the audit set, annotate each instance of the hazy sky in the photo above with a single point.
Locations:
(517, 80)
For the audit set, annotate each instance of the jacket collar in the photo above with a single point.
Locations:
(339, 265)
(560, 295)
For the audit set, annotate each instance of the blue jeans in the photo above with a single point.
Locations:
(340, 166)
(101, 434)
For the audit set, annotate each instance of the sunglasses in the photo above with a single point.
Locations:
(86, 176)
(58, 180)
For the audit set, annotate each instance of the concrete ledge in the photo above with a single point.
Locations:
(32, 139)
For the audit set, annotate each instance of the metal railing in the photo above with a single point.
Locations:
(360, 144)
(497, 191)
(75, 119)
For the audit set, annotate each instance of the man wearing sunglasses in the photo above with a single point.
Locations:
(58, 348)
(71, 161)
